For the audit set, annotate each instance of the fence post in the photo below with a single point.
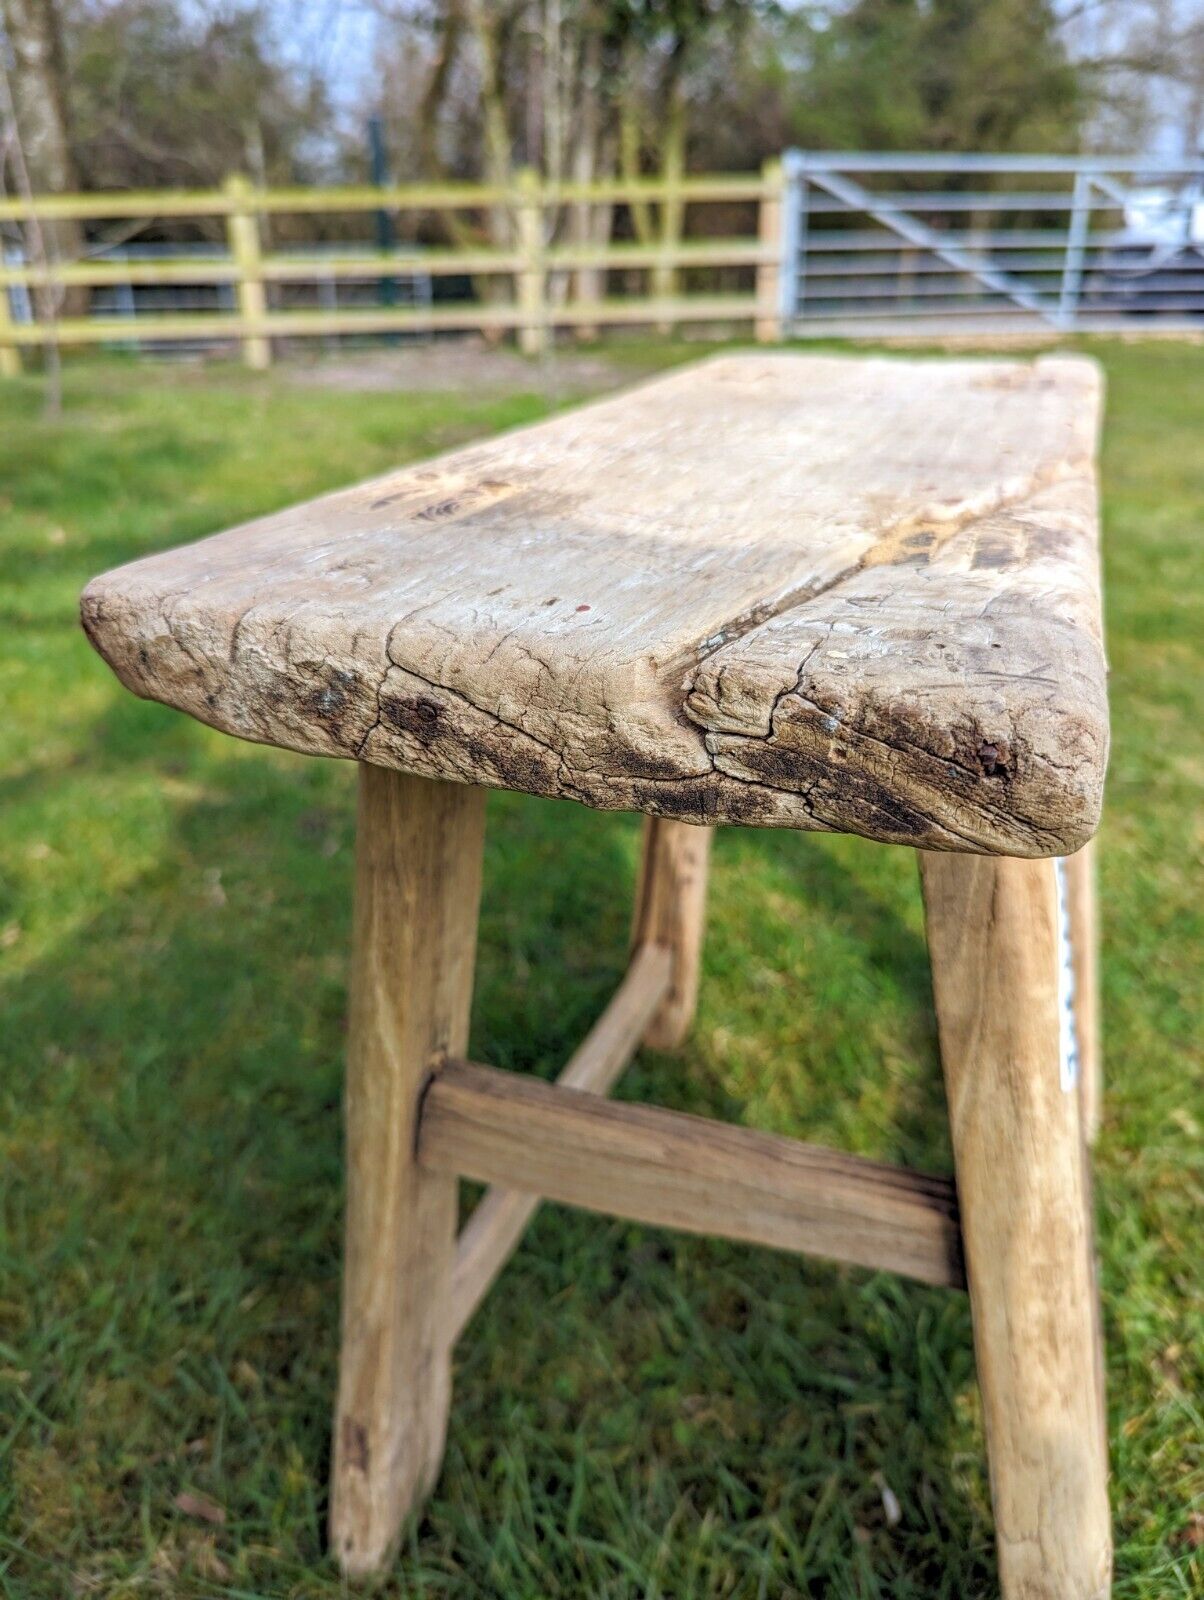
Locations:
(768, 323)
(10, 355)
(666, 279)
(792, 239)
(532, 331)
(242, 231)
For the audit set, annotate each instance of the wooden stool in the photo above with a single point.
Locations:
(772, 590)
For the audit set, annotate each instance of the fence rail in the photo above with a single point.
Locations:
(545, 283)
(816, 243)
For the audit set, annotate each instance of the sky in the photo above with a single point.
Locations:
(335, 38)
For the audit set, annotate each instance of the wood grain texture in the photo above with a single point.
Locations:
(799, 591)
(1024, 1191)
(670, 911)
(496, 1225)
(418, 878)
(680, 1171)
(1084, 944)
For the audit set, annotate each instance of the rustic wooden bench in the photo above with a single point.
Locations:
(791, 591)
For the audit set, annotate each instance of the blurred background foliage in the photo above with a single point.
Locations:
(146, 93)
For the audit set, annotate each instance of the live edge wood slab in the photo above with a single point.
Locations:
(805, 591)
(786, 590)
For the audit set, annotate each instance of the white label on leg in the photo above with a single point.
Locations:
(1068, 1043)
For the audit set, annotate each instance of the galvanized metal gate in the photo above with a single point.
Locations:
(880, 243)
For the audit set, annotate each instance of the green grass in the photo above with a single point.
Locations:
(636, 1414)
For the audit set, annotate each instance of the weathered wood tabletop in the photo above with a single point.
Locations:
(801, 591)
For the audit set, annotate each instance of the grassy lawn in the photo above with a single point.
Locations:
(636, 1414)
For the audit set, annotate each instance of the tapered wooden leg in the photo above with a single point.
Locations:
(1025, 1210)
(670, 910)
(418, 882)
(1084, 943)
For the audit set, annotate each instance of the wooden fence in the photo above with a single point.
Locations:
(537, 278)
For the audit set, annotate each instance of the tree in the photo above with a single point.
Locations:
(951, 75)
(37, 152)
(1143, 61)
(576, 88)
(477, 90)
(998, 77)
(168, 93)
(41, 93)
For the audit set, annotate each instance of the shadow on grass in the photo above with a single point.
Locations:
(634, 1412)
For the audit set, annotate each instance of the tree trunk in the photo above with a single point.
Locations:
(40, 90)
(42, 106)
(501, 218)
(672, 214)
(499, 169)
(630, 147)
(589, 221)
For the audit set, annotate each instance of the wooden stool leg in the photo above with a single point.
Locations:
(1084, 943)
(417, 893)
(1026, 1223)
(670, 910)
